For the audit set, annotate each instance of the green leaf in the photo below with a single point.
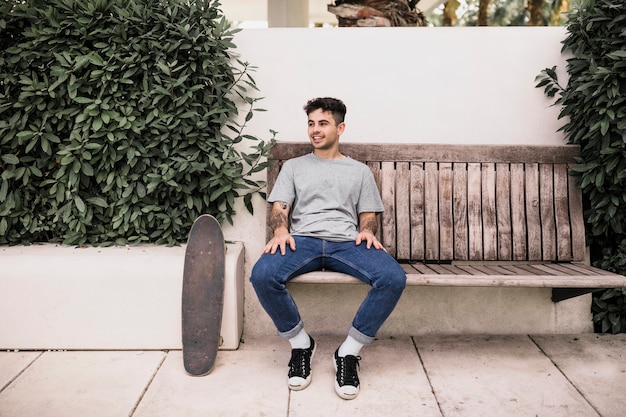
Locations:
(98, 201)
(87, 169)
(247, 199)
(164, 68)
(80, 204)
(83, 100)
(96, 124)
(4, 226)
(604, 126)
(4, 190)
(11, 159)
(95, 59)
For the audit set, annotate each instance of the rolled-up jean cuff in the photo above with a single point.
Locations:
(360, 337)
(293, 332)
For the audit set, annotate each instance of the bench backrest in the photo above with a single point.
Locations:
(470, 203)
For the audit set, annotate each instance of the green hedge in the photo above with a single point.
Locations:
(117, 121)
(594, 105)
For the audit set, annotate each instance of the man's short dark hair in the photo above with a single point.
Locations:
(333, 105)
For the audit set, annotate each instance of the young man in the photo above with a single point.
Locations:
(332, 201)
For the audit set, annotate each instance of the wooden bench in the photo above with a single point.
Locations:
(475, 216)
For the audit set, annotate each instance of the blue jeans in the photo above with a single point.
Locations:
(372, 266)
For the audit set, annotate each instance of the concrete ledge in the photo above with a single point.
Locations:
(59, 297)
(430, 310)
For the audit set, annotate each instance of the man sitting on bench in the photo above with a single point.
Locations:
(332, 200)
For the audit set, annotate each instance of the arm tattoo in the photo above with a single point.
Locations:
(277, 219)
(372, 225)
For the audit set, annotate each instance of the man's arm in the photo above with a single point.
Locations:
(368, 226)
(279, 222)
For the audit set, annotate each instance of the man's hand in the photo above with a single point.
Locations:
(281, 239)
(366, 235)
(368, 225)
(280, 225)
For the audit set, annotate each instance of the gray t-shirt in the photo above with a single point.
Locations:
(326, 196)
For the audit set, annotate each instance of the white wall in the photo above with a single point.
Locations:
(422, 85)
(447, 85)
(122, 297)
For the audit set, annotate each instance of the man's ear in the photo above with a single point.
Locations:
(341, 127)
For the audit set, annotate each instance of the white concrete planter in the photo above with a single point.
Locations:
(59, 297)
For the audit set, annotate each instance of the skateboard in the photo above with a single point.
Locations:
(203, 295)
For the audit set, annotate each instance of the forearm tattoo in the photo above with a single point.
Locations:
(371, 225)
(279, 218)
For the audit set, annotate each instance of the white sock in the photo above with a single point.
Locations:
(301, 340)
(350, 347)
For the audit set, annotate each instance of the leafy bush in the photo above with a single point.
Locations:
(609, 310)
(118, 121)
(594, 104)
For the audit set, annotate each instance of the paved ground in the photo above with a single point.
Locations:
(580, 375)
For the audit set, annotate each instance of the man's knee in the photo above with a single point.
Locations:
(396, 277)
(264, 273)
(260, 274)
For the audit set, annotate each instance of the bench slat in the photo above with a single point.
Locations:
(546, 210)
(515, 269)
(417, 211)
(561, 212)
(473, 270)
(518, 212)
(496, 270)
(577, 268)
(547, 270)
(439, 269)
(446, 220)
(416, 268)
(461, 228)
(533, 218)
(503, 211)
(402, 210)
(474, 218)
(488, 203)
(561, 270)
(375, 168)
(431, 210)
(388, 195)
(576, 220)
(531, 269)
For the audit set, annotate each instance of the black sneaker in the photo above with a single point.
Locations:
(300, 367)
(346, 377)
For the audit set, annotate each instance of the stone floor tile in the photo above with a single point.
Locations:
(251, 381)
(12, 363)
(595, 364)
(94, 384)
(497, 376)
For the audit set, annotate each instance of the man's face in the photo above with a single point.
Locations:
(323, 132)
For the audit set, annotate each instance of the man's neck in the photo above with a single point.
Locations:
(328, 153)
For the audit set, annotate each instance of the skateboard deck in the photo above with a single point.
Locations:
(203, 295)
